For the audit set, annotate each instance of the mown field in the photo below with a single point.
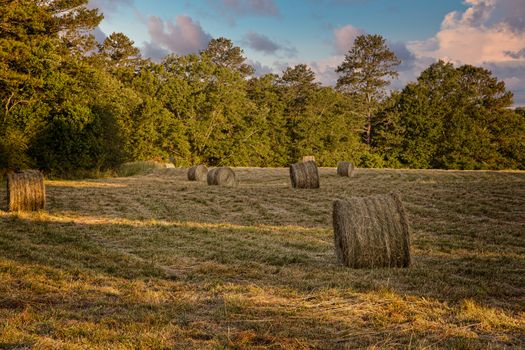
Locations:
(157, 262)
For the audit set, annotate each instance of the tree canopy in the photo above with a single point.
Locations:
(74, 107)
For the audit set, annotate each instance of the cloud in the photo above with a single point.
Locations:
(344, 38)
(107, 6)
(262, 43)
(513, 12)
(260, 69)
(325, 70)
(513, 74)
(184, 36)
(153, 51)
(516, 54)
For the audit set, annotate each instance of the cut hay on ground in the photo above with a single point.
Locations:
(26, 191)
(222, 177)
(198, 173)
(345, 169)
(308, 158)
(371, 232)
(304, 175)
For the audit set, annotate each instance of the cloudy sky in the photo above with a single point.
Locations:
(275, 34)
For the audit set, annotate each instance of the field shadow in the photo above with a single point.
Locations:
(255, 266)
(235, 285)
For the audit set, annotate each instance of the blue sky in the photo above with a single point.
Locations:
(279, 33)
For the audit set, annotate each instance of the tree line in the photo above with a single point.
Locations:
(72, 106)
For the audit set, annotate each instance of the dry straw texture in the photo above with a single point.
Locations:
(222, 177)
(308, 158)
(371, 232)
(304, 175)
(198, 173)
(345, 169)
(26, 191)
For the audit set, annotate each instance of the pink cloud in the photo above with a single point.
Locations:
(183, 36)
(344, 38)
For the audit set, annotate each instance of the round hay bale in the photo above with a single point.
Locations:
(345, 169)
(371, 232)
(222, 177)
(210, 177)
(26, 191)
(304, 175)
(308, 158)
(198, 173)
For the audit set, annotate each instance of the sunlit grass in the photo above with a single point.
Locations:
(157, 262)
(139, 167)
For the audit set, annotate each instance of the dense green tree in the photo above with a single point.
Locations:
(265, 92)
(118, 55)
(298, 86)
(222, 52)
(36, 40)
(455, 118)
(365, 72)
(73, 107)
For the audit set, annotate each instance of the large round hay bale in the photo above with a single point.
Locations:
(222, 177)
(210, 177)
(198, 173)
(26, 191)
(304, 175)
(345, 169)
(371, 232)
(308, 158)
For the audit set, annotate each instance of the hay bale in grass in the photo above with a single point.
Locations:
(26, 191)
(304, 175)
(222, 177)
(371, 232)
(345, 169)
(210, 177)
(308, 158)
(198, 173)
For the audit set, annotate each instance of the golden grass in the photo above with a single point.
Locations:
(158, 262)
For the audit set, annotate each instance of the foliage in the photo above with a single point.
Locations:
(365, 72)
(453, 118)
(71, 106)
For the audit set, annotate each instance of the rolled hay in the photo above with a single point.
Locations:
(304, 175)
(371, 232)
(345, 169)
(198, 173)
(308, 158)
(26, 191)
(210, 177)
(222, 177)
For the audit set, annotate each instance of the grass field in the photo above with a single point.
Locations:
(157, 262)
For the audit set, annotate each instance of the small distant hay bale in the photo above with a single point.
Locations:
(222, 177)
(345, 169)
(26, 191)
(304, 175)
(371, 232)
(308, 158)
(198, 173)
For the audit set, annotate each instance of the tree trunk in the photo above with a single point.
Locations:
(369, 129)
(369, 119)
